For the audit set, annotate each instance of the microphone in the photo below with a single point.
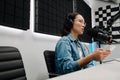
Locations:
(99, 35)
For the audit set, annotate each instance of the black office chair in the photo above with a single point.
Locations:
(50, 62)
(11, 64)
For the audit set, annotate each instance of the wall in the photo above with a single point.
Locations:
(31, 46)
(95, 4)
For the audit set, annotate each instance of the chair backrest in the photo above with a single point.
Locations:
(11, 64)
(50, 60)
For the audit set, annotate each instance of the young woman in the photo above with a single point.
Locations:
(70, 54)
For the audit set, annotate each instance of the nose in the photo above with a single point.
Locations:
(83, 25)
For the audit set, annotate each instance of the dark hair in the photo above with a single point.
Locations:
(68, 23)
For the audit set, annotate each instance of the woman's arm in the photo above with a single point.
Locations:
(65, 62)
(98, 55)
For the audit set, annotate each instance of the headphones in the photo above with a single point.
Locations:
(68, 22)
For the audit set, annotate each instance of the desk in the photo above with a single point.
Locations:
(106, 71)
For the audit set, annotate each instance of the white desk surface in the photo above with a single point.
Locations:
(106, 71)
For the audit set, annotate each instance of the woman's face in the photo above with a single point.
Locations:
(78, 25)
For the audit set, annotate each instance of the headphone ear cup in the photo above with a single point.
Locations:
(71, 22)
(68, 23)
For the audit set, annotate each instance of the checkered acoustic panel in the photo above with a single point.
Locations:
(103, 14)
(15, 13)
(50, 15)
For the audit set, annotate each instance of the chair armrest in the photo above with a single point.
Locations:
(53, 75)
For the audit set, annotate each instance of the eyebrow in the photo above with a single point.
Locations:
(80, 20)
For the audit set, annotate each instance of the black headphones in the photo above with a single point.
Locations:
(68, 22)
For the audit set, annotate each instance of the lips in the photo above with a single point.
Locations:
(83, 30)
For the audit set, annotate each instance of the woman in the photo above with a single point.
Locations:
(70, 54)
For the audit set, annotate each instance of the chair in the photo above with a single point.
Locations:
(11, 64)
(50, 62)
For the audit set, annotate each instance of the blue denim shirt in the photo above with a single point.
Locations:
(67, 55)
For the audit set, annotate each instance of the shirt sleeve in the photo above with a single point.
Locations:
(64, 57)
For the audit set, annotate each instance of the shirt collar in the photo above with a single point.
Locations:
(71, 38)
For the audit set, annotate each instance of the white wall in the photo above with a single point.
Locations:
(31, 46)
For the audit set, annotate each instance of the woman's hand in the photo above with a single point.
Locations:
(106, 53)
(100, 54)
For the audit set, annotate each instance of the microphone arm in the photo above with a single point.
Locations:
(113, 19)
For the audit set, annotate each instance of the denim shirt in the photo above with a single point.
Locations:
(67, 55)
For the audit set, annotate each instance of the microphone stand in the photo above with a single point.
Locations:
(99, 47)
